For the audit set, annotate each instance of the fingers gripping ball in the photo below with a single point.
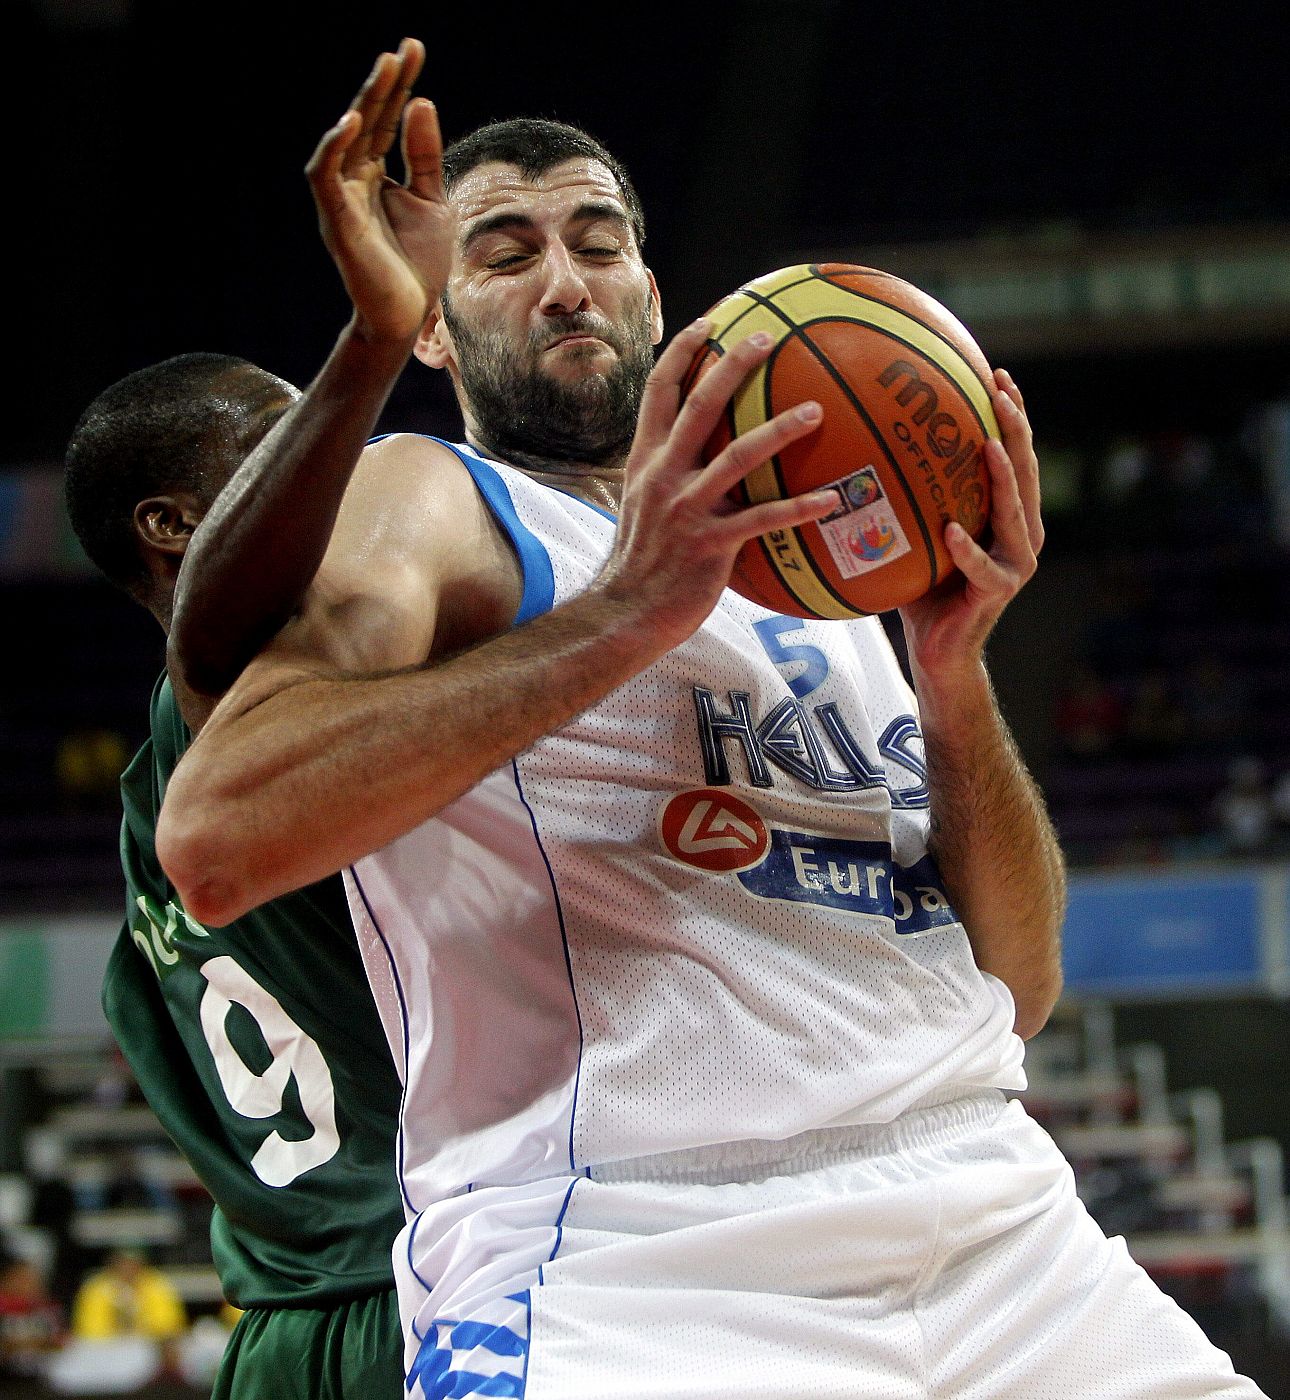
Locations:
(907, 411)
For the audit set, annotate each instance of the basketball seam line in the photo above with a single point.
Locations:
(854, 399)
(778, 469)
(940, 335)
(756, 297)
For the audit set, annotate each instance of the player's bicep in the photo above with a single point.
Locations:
(346, 627)
(342, 631)
(373, 606)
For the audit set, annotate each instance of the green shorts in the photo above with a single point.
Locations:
(351, 1351)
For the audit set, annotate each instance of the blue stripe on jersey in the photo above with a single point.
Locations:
(403, 1020)
(568, 960)
(535, 563)
(564, 1210)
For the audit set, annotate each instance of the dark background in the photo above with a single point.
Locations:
(155, 185)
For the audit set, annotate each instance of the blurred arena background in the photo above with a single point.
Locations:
(1104, 198)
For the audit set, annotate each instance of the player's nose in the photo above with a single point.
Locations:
(563, 286)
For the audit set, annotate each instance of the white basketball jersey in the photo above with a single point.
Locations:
(701, 912)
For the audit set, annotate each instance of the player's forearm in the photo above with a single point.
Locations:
(994, 843)
(260, 545)
(275, 794)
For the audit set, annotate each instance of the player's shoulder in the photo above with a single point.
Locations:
(416, 449)
(405, 499)
(414, 559)
(407, 502)
(410, 462)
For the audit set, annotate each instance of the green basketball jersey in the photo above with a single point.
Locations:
(260, 1050)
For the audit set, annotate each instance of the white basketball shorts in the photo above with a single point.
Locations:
(942, 1257)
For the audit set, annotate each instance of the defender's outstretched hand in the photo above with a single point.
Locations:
(678, 529)
(392, 243)
(947, 628)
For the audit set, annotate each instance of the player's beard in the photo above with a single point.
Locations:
(524, 415)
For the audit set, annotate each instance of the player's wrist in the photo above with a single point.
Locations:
(953, 691)
(388, 338)
(626, 613)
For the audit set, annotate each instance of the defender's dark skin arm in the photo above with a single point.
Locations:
(257, 550)
(259, 546)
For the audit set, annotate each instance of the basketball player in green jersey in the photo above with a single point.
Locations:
(259, 1049)
(258, 1044)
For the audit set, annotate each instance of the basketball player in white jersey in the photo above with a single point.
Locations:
(706, 947)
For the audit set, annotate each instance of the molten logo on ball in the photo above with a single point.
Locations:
(941, 438)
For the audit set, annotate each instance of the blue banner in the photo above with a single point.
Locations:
(1160, 934)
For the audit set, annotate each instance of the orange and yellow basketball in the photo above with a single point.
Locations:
(907, 411)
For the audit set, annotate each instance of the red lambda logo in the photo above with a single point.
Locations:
(713, 830)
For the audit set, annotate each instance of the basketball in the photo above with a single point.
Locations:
(907, 411)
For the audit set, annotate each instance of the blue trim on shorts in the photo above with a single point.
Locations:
(447, 1365)
(559, 1220)
(528, 1332)
(412, 1269)
(559, 1230)
(568, 958)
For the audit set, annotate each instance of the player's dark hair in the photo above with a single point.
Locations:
(181, 424)
(535, 144)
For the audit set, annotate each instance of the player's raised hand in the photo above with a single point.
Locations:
(392, 242)
(947, 628)
(678, 529)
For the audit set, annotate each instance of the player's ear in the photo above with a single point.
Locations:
(166, 523)
(655, 310)
(434, 345)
